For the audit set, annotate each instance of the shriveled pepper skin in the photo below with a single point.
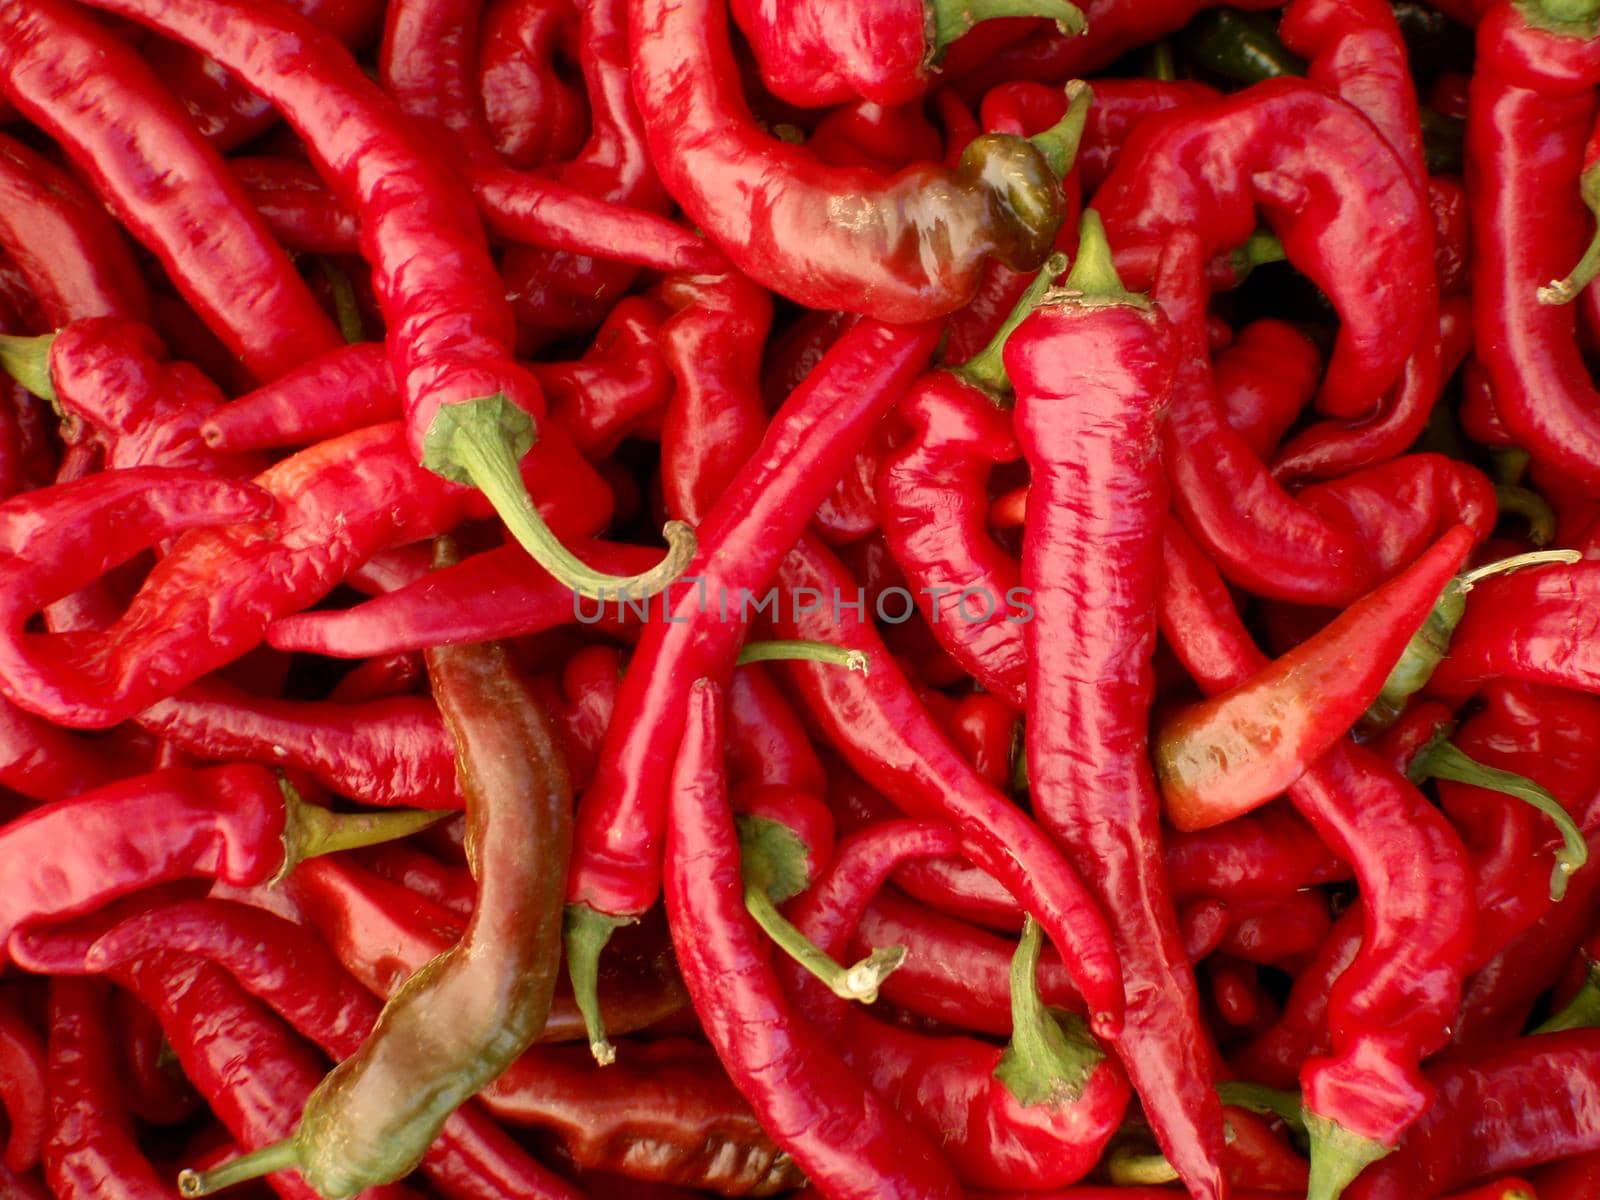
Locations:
(1093, 376)
(902, 248)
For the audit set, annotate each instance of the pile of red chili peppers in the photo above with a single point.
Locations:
(918, 599)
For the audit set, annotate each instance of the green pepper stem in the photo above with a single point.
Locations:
(1582, 1011)
(310, 830)
(859, 981)
(986, 369)
(481, 441)
(1504, 566)
(1573, 17)
(801, 650)
(27, 360)
(1259, 249)
(1509, 465)
(585, 932)
(345, 309)
(1532, 507)
(1094, 274)
(1139, 1170)
(1444, 761)
(949, 20)
(279, 1156)
(1044, 1063)
(1337, 1156)
(1162, 67)
(1258, 1098)
(1059, 144)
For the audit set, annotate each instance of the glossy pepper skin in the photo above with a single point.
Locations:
(374, 1117)
(1237, 750)
(957, 1088)
(1532, 103)
(22, 1088)
(75, 259)
(828, 237)
(1337, 219)
(845, 1139)
(92, 1148)
(535, 115)
(620, 821)
(1093, 373)
(1531, 625)
(334, 393)
(302, 982)
(213, 246)
(389, 751)
(1393, 1004)
(817, 53)
(236, 823)
(887, 736)
(1547, 1089)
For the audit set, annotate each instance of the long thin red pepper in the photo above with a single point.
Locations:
(75, 259)
(108, 111)
(238, 823)
(92, 1149)
(888, 737)
(534, 113)
(470, 410)
(1239, 749)
(1533, 101)
(847, 1140)
(1093, 369)
(616, 868)
(1394, 1003)
(829, 237)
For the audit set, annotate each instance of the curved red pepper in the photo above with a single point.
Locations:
(1532, 104)
(92, 1148)
(1336, 198)
(335, 393)
(621, 382)
(796, 239)
(1537, 625)
(22, 1088)
(76, 261)
(215, 250)
(819, 53)
(296, 205)
(534, 114)
(845, 1139)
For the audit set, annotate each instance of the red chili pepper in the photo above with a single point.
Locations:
(155, 1090)
(238, 823)
(1120, 106)
(1264, 377)
(620, 383)
(22, 1088)
(1546, 1088)
(843, 1137)
(1281, 932)
(470, 410)
(499, 593)
(1330, 449)
(1039, 1112)
(816, 54)
(382, 932)
(1500, 1189)
(1531, 107)
(1533, 625)
(882, 136)
(300, 979)
(1244, 746)
(666, 1112)
(296, 205)
(616, 866)
(339, 392)
(92, 1148)
(1413, 875)
(384, 752)
(535, 115)
(708, 150)
(553, 291)
(236, 278)
(1098, 492)
(44, 762)
(713, 345)
(77, 263)
(767, 743)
